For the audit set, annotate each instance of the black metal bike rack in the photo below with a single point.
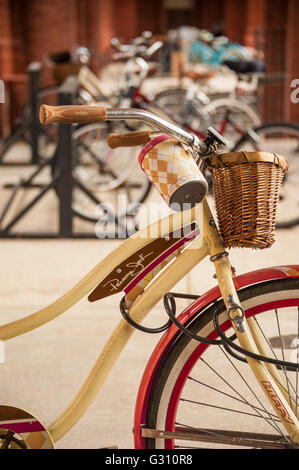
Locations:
(29, 121)
(34, 73)
(62, 181)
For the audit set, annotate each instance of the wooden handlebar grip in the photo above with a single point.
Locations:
(129, 139)
(81, 114)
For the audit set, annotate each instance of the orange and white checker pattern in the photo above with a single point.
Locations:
(169, 166)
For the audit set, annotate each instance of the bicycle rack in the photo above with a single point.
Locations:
(62, 181)
(29, 121)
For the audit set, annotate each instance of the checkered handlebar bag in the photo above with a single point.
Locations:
(173, 172)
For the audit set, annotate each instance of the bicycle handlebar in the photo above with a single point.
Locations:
(83, 114)
(129, 139)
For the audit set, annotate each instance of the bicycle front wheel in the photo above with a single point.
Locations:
(281, 138)
(201, 391)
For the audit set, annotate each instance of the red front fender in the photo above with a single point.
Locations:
(245, 280)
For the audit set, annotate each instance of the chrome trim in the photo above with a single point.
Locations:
(157, 123)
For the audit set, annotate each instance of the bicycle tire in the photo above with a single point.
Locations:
(179, 380)
(288, 149)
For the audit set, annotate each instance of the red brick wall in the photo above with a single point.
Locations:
(150, 16)
(6, 53)
(12, 60)
(50, 29)
(125, 18)
(255, 17)
(235, 15)
(32, 28)
(208, 13)
(265, 29)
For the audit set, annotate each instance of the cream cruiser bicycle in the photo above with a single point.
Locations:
(225, 371)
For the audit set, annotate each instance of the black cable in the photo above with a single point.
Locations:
(225, 341)
(230, 343)
(171, 311)
(233, 354)
(144, 329)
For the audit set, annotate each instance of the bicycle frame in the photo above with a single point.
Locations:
(209, 244)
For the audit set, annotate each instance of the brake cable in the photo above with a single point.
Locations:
(283, 364)
(226, 342)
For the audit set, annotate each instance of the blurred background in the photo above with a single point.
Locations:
(177, 58)
(31, 29)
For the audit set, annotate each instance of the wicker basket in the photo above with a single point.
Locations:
(61, 65)
(246, 189)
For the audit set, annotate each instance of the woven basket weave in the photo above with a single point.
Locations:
(246, 189)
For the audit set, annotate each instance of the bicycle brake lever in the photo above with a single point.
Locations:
(213, 137)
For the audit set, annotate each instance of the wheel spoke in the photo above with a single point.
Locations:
(271, 422)
(243, 401)
(283, 369)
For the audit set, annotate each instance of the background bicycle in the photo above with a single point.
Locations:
(98, 168)
(189, 107)
(110, 179)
